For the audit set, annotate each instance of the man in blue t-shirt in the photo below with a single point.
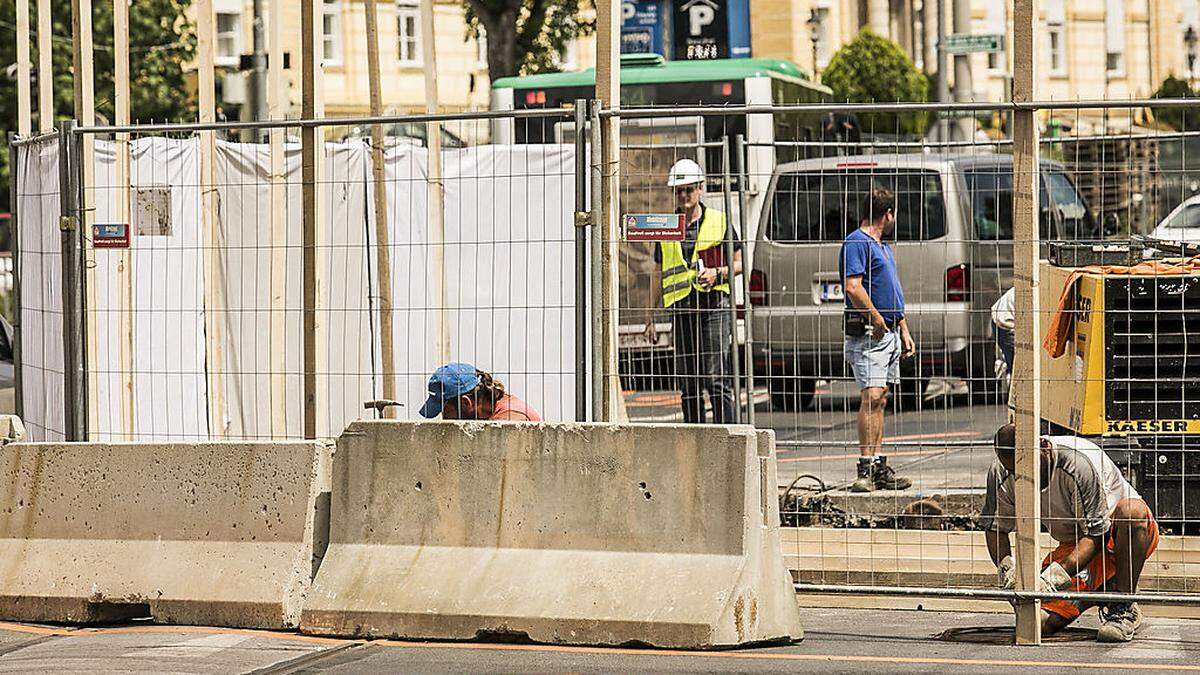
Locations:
(876, 331)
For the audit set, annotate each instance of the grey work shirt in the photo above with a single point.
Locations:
(1085, 487)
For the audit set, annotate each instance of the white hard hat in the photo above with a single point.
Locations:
(685, 172)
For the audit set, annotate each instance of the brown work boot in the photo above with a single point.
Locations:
(885, 476)
(866, 475)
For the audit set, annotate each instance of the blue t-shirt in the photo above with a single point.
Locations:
(862, 256)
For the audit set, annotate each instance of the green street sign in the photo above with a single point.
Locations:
(969, 44)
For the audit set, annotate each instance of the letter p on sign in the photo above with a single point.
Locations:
(699, 15)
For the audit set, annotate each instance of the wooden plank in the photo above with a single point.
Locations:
(125, 256)
(1026, 395)
(436, 190)
(309, 151)
(214, 319)
(24, 68)
(45, 69)
(276, 107)
(383, 263)
(608, 93)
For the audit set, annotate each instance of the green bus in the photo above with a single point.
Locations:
(647, 80)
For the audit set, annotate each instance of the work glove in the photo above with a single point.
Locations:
(1006, 573)
(1054, 578)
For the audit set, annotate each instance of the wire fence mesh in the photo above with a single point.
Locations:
(195, 330)
(776, 350)
(193, 321)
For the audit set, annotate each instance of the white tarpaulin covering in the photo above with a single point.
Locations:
(39, 248)
(510, 261)
(509, 266)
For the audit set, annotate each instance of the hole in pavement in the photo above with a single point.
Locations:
(1003, 635)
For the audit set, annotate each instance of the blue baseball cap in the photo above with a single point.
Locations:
(448, 382)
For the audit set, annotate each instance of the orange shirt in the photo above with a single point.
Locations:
(511, 408)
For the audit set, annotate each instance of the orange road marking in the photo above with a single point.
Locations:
(901, 453)
(36, 630)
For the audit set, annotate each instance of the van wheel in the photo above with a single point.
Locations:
(791, 394)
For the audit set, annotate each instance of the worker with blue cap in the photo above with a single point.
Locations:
(460, 391)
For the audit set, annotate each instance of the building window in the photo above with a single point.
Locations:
(1056, 35)
(408, 28)
(824, 43)
(566, 57)
(481, 47)
(1114, 36)
(229, 38)
(331, 18)
(997, 24)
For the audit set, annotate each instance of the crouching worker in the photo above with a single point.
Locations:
(1104, 529)
(459, 391)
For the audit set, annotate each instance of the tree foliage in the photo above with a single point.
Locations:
(1178, 119)
(872, 69)
(526, 36)
(161, 41)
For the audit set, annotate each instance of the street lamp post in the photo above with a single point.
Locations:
(814, 24)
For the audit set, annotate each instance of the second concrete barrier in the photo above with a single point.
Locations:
(583, 534)
(224, 534)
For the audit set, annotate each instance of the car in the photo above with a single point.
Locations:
(953, 244)
(1182, 224)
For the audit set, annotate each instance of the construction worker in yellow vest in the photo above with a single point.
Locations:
(692, 281)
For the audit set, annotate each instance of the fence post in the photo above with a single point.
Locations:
(596, 351)
(739, 150)
(15, 239)
(733, 346)
(1026, 376)
(582, 219)
(309, 138)
(74, 361)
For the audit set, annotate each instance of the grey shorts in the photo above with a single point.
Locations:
(876, 363)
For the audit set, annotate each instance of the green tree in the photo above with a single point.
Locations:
(1177, 118)
(161, 42)
(525, 36)
(871, 69)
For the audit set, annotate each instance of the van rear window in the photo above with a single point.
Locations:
(823, 205)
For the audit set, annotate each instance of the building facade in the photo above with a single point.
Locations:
(1089, 49)
(461, 60)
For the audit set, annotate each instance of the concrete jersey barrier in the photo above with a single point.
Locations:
(224, 534)
(581, 534)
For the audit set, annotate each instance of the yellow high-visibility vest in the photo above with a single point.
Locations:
(679, 276)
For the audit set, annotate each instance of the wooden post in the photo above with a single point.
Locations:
(45, 70)
(125, 256)
(276, 100)
(85, 112)
(214, 318)
(24, 76)
(1026, 392)
(382, 239)
(309, 150)
(435, 194)
(608, 92)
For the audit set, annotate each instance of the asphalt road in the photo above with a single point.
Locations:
(943, 443)
(837, 641)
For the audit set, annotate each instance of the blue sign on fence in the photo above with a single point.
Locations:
(642, 27)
